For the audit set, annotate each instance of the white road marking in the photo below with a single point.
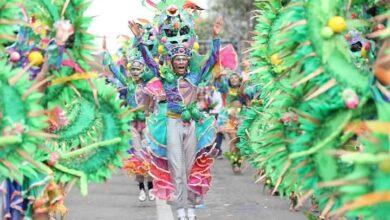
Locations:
(164, 211)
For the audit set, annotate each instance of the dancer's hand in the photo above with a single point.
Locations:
(218, 26)
(135, 29)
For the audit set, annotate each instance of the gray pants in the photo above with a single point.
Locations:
(181, 147)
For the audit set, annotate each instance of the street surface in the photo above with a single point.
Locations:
(232, 197)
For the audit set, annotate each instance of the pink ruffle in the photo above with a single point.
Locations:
(199, 180)
(162, 181)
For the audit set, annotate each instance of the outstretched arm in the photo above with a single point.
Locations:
(216, 45)
(147, 56)
(109, 63)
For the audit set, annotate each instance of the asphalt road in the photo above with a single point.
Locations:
(232, 197)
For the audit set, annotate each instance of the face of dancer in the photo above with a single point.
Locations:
(180, 64)
(235, 81)
(136, 70)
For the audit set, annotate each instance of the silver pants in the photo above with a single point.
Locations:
(181, 150)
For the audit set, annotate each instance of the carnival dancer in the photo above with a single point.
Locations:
(230, 84)
(131, 89)
(181, 137)
(210, 100)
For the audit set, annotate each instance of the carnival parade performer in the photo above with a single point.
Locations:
(128, 77)
(180, 135)
(230, 85)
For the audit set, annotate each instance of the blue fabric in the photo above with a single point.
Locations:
(14, 204)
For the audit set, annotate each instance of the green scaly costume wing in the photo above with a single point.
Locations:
(304, 74)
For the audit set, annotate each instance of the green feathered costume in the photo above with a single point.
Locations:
(313, 91)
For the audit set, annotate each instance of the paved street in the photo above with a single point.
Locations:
(232, 197)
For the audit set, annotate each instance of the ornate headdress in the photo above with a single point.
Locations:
(179, 51)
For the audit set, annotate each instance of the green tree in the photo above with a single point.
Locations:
(238, 18)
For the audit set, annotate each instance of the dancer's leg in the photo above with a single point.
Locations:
(151, 196)
(189, 144)
(176, 163)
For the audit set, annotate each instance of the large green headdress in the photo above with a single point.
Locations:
(95, 138)
(51, 13)
(313, 89)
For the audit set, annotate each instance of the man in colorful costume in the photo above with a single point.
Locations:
(179, 134)
(230, 85)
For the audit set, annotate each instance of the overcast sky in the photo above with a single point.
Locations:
(111, 17)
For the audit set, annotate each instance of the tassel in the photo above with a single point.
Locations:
(367, 200)
(293, 25)
(8, 37)
(342, 182)
(305, 197)
(42, 134)
(35, 87)
(379, 33)
(34, 114)
(13, 22)
(308, 77)
(64, 8)
(327, 208)
(321, 90)
(76, 76)
(95, 92)
(279, 181)
(10, 166)
(75, 90)
(326, 141)
(37, 164)
(306, 116)
(12, 81)
(261, 178)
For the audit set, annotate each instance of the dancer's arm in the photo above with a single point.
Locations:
(114, 69)
(214, 56)
(148, 58)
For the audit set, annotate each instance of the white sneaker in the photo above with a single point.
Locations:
(181, 214)
(151, 196)
(142, 196)
(191, 214)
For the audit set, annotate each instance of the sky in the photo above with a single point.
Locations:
(111, 17)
